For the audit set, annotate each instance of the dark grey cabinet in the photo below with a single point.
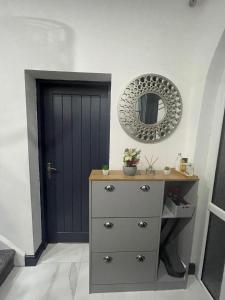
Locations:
(123, 267)
(125, 223)
(126, 199)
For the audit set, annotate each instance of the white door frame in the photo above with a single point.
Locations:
(211, 164)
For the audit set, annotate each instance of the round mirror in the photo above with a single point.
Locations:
(150, 108)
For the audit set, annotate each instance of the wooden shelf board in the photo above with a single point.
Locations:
(117, 175)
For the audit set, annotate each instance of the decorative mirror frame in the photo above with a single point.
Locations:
(170, 95)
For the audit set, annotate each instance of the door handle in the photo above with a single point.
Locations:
(109, 188)
(140, 258)
(107, 259)
(50, 169)
(108, 225)
(142, 224)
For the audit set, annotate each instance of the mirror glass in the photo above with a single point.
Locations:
(150, 108)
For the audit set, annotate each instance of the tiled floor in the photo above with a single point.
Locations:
(62, 274)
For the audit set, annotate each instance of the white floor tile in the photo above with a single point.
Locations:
(85, 254)
(62, 252)
(44, 282)
(82, 292)
(63, 274)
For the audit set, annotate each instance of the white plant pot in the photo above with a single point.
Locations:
(105, 172)
(167, 172)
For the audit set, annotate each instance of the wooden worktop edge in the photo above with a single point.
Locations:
(117, 175)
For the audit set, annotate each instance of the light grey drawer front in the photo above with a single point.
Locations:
(127, 198)
(123, 267)
(125, 234)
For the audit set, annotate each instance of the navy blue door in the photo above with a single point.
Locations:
(75, 135)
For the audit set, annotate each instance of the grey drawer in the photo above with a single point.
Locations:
(125, 234)
(127, 199)
(123, 268)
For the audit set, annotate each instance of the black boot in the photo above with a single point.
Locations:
(172, 261)
(168, 249)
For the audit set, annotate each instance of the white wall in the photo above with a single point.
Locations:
(25, 43)
(125, 38)
(32, 130)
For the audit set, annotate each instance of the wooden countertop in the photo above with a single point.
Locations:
(117, 175)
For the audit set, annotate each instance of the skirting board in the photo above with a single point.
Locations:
(31, 260)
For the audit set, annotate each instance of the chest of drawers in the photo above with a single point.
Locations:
(125, 222)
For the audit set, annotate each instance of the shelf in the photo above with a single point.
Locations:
(164, 277)
(167, 214)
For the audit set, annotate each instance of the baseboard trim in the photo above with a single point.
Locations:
(31, 260)
(191, 269)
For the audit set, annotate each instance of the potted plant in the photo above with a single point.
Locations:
(167, 170)
(131, 158)
(105, 170)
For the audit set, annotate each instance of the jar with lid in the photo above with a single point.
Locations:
(183, 164)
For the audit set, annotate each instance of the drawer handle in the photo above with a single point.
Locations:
(145, 188)
(140, 258)
(109, 188)
(142, 224)
(108, 225)
(107, 259)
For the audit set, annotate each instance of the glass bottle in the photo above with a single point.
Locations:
(190, 169)
(178, 161)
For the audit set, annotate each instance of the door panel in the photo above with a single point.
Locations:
(214, 261)
(86, 154)
(74, 143)
(77, 164)
(219, 186)
(57, 149)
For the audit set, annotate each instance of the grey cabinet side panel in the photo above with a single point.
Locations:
(90, 235)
